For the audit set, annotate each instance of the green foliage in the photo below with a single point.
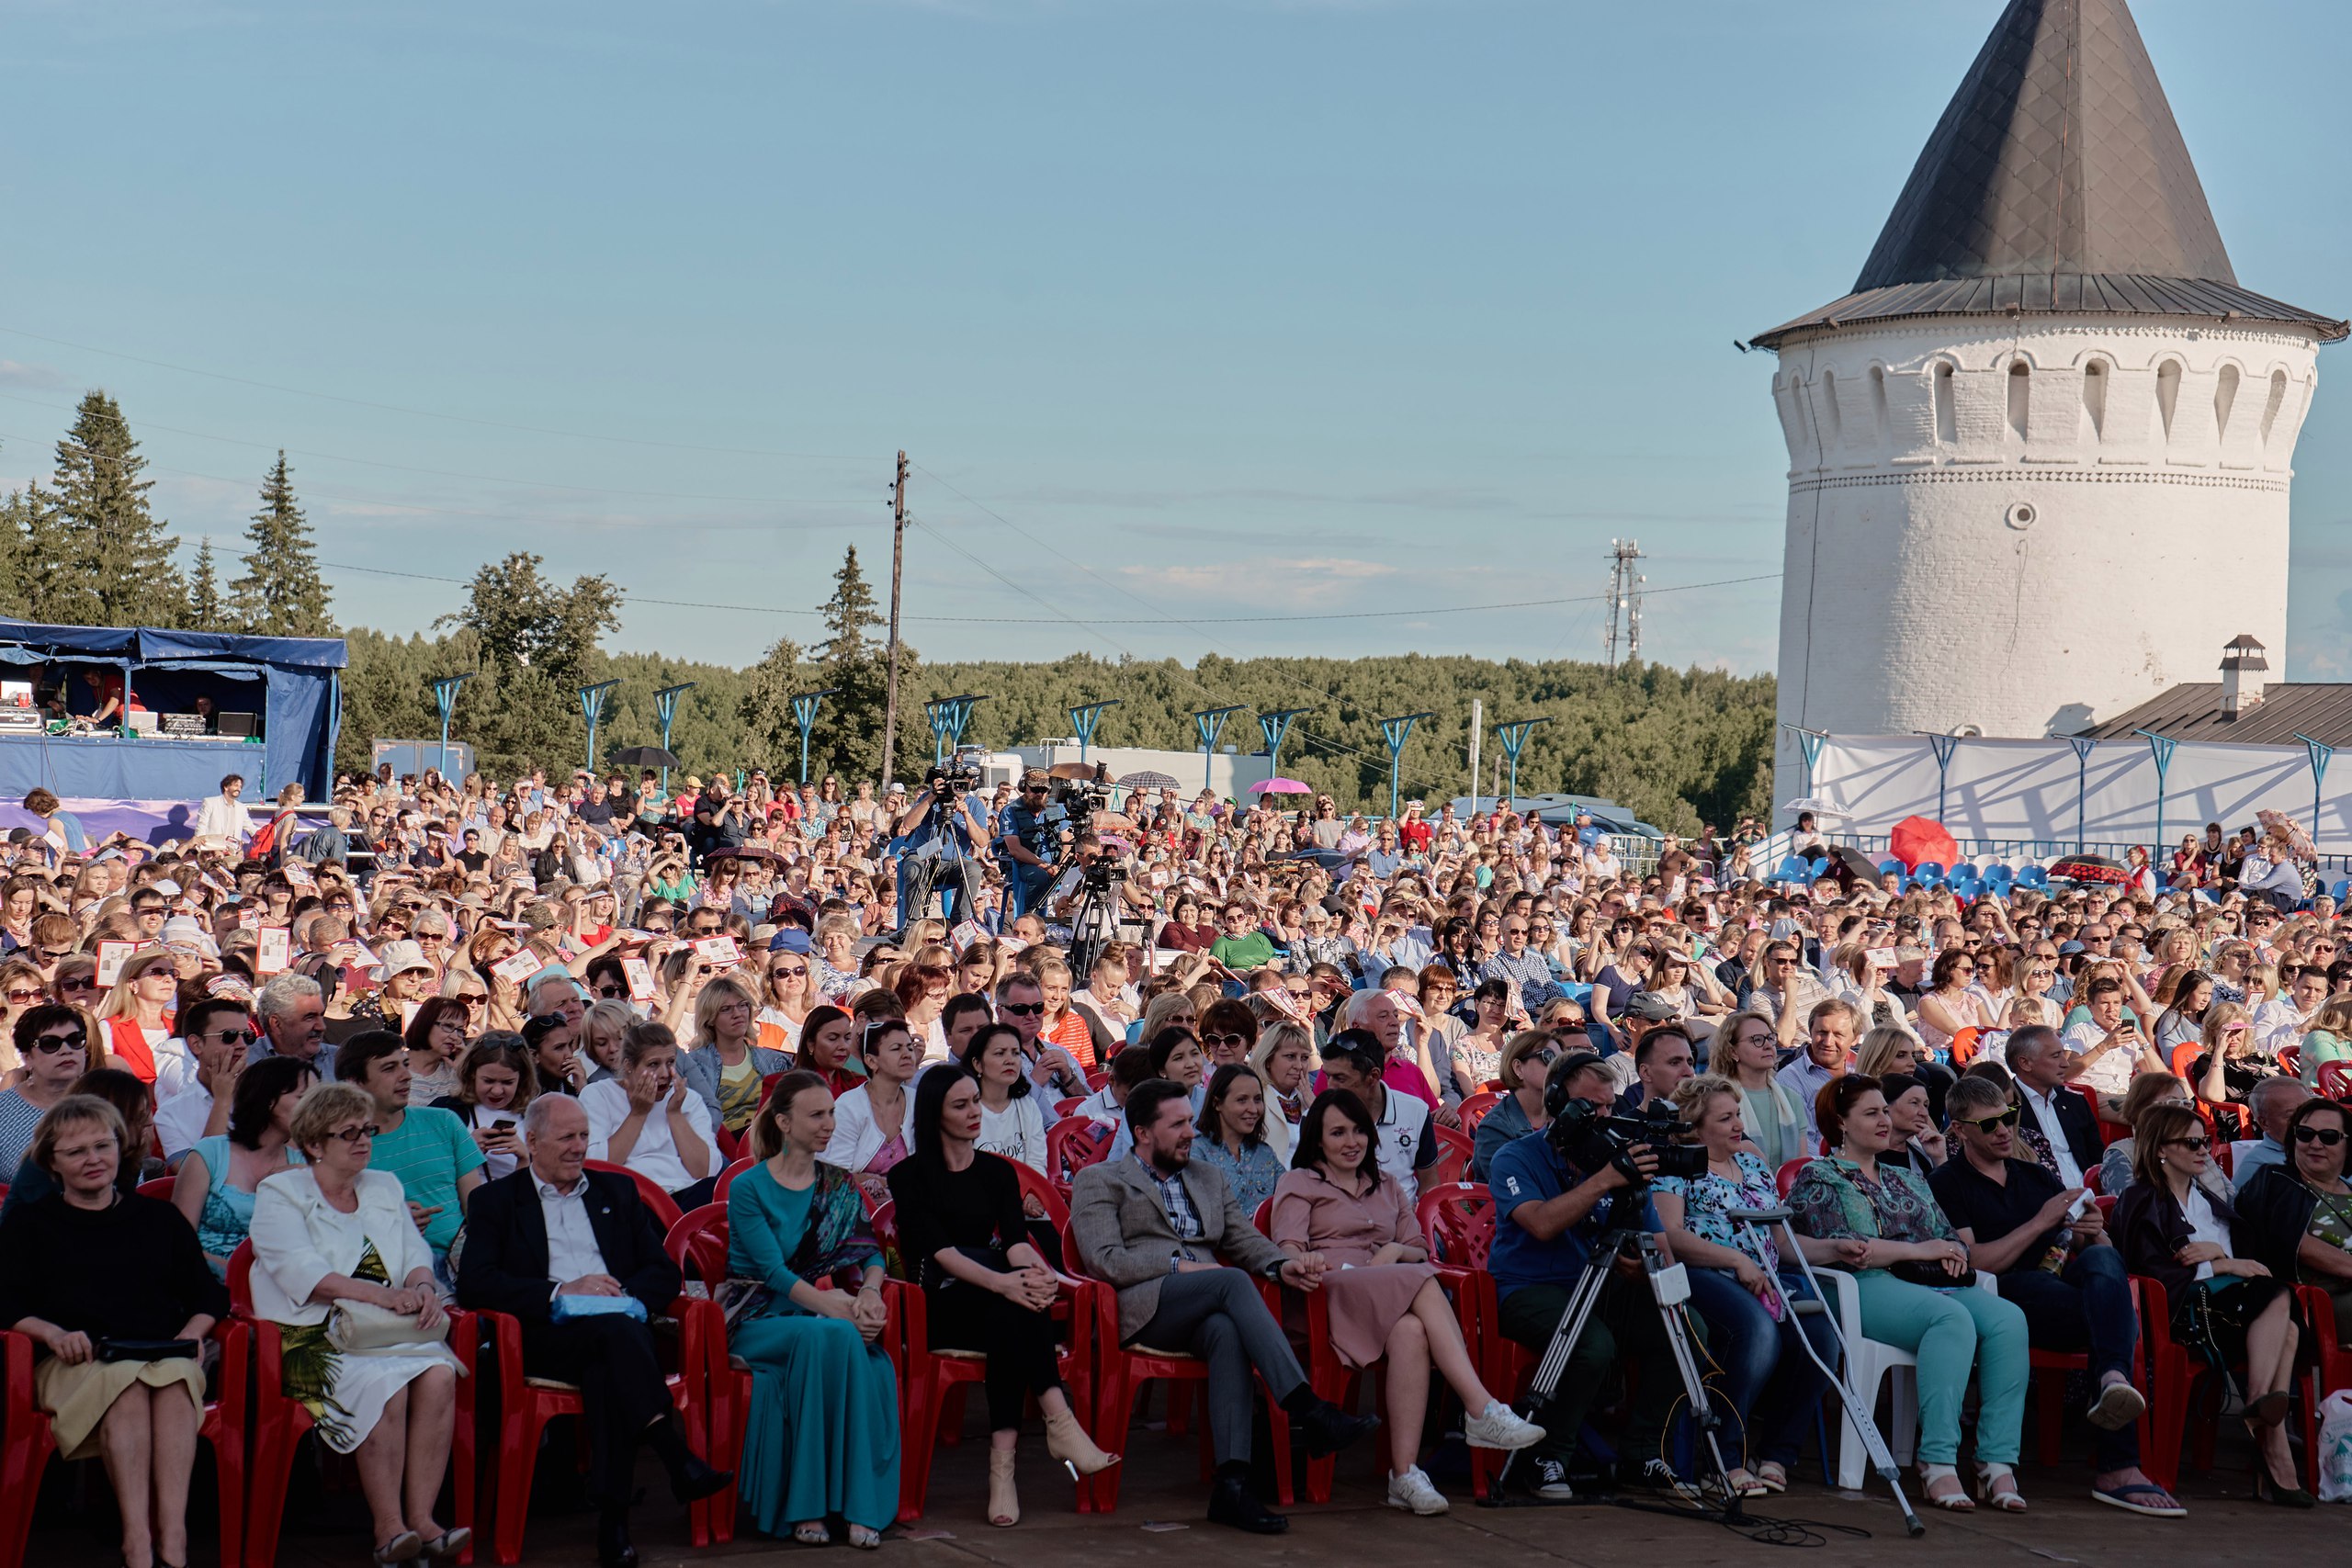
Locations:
(115, 555)
(522, 621)
(849, 726)
(206, 612)
(281, 594)
(1676, 747)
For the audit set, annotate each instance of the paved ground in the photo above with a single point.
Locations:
(2225, 1526)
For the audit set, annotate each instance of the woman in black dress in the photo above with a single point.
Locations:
(963, 1237)
(113, 1287)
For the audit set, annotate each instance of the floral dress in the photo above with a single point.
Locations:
(1833, 1201)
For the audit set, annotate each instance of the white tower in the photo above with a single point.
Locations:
(2039, 457)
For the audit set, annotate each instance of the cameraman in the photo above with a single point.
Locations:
(937, 835)
(1548, 1214)
(1024, 846)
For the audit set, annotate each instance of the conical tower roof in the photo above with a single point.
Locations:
(2056, 180)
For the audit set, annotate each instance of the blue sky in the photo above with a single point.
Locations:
(1228, 310)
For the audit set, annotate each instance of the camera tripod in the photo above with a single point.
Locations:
(1093, 926)
(1669, 1287)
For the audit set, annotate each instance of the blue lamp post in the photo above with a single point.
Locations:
(1210, 723)
(2084, 746)
(948, 717)
(2160, 749)
(591, 709)
(665, 708)
(1395, 730)
(1275, 725)
(1085, 719)
(804, 714)
(2321, 753)
(444, 697)
(1514, 739)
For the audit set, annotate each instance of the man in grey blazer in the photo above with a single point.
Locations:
(1169, 1236)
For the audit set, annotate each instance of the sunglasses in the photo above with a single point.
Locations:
(26, 996)
(55, 1042)
(612, 993)
(84, 983)
(2199, 1145)
(1986, 1123)
(1020, 1010)
(356, 1134)
(1215, 1040)
(2326, 1137)
(232, 1036)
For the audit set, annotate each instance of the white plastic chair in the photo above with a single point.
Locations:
(1870, 1362)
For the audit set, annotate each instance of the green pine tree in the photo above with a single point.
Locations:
(848, 733)
(47, 579)
(281, 594)
(771, 735)
(206, 612)
(120, 553)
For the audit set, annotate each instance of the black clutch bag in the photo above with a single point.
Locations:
(146, 1349)
(1915, 1271)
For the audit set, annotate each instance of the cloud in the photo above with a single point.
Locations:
(39, 378)
(1266, 581)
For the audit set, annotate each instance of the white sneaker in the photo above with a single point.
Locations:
(1412, 1491)
(1500, 1426)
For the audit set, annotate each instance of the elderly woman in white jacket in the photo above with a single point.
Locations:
(337, 1232)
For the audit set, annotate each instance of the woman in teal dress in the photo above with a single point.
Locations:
(823, 1434)
(222, 1173)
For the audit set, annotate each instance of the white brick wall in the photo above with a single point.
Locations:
(1912, 601)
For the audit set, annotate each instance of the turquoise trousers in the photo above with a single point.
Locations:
(1949, 1332)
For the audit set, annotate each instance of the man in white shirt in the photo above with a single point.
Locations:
(1402, 1140)
(225, 816)
(2109, 1047)
(195, 1074)
(650, 1121)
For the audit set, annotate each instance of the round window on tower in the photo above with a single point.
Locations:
(2021, 515)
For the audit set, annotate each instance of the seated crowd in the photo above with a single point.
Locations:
(491, 1093)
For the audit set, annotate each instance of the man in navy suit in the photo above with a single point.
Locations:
(552, 1230)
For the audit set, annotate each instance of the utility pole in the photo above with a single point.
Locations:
(1625, 598)
(898, 565)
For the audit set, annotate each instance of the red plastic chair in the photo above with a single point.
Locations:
(730, 1145)
(1122, 1371)
(2184, 1057)
(1451, 1164)
(2290, 1060)
(1072, 1144)
(1474, 1109)
(278, 1422)
(664, 1207)
(697, 1244)
(1062, 1107)
(2331, 1367)
(2050, 1392)
(2335, 1081)
(1035, 1184)
(1785, 1178)
(162, 1186)
(2176, 1379)
(526, 1404)
(27, 1441)
(726, 1179)
(931, 1383)
(2110, 1131)
(1458, 1223)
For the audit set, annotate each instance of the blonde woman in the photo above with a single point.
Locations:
(2327, 1038)
(136, 1013)
(729, 1061)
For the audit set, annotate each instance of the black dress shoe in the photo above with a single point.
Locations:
(1230, 1502)
(1327, 1428)
(694, 1480)
(614, 1548)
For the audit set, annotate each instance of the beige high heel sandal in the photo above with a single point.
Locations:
(1004, 1504)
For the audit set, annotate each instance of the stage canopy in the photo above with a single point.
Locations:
(289, 685)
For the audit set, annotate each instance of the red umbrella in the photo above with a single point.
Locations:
(1916, 841)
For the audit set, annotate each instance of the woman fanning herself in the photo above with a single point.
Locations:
(2231, 1311)
(1383, 1294)
(823, 1434)
(1882, 1222)
(1771, 1385)
(962, 1233)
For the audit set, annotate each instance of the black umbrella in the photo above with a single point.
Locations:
(1854, 862)
(1148, 778)
(643, 757)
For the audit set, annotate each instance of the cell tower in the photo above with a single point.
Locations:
(1625, 598)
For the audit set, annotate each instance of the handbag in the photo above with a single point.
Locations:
(146, 1349)
(1915, 1271)
(362, 1328)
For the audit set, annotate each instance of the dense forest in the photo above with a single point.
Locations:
(1677, 747)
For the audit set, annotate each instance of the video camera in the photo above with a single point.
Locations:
(1079, 799)
(956, 777)
(1589, 1138)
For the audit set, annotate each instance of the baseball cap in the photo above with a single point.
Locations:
(791, 939)
(1651, 1008)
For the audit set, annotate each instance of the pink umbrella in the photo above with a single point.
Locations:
(1280, 786)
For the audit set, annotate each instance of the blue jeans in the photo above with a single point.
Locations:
(1769, 1386)
(2088, 1308)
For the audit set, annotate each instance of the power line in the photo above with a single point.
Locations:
(433, 413)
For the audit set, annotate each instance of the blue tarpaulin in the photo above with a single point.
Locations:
(296, 680)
